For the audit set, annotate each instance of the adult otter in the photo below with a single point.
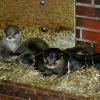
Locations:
(10, 42)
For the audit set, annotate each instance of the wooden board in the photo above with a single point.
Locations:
(27, 92)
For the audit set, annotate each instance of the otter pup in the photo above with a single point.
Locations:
(31, 48)
(82, 56)
(27, 58)
(52, 61)
(10, 42)
(96, 58)
(34, 45)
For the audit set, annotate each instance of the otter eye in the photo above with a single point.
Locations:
(6, 34)
(9, 37)
(16, 33)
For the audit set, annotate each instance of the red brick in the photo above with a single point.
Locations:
(85, 11)
(97, 2)
(97, 47)
(94, 36)
(88, 23)
(84, 1)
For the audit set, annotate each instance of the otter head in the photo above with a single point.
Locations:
(12, 37)
(12, 33)
(27, 58)
(53, 58)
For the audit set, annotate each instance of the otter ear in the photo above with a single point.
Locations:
(6, 25)
(20, 32)
(6, 28)
(19, 29)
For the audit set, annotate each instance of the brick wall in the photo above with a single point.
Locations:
(88, 23)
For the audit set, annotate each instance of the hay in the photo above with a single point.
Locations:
(83, 82)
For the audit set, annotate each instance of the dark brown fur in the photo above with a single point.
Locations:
(31, 48)
(52, 61)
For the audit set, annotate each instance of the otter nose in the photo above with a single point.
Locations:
(10, 37)
(51, 62)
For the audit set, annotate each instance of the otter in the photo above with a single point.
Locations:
(34, 45)
(80, 56)
(10, 42)
(26, 58)
(30, 48)
(52, 61)
(96, 58)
